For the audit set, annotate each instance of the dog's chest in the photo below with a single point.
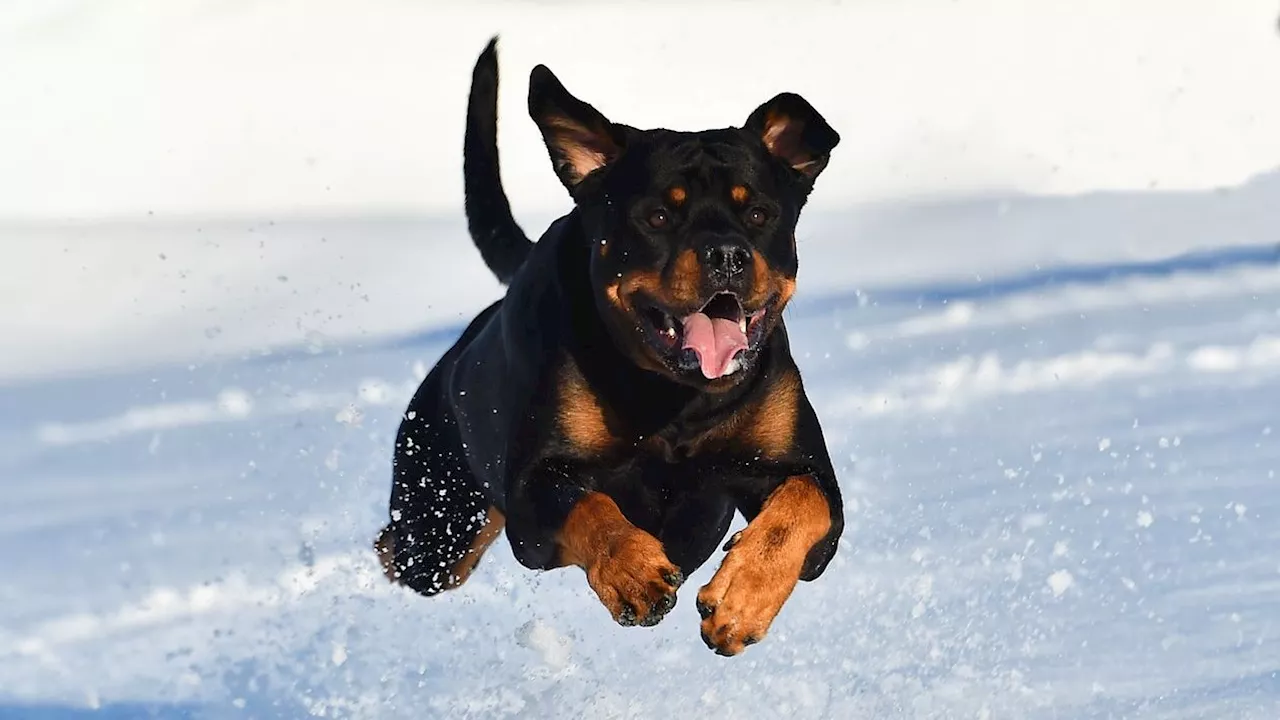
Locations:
(603, 429)
(680, 443)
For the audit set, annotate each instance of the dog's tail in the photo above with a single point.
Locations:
(501, 242)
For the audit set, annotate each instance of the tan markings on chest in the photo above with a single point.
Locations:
(581, 417)
(765, 428)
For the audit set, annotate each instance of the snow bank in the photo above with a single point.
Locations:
(206, 108)
(278, 177)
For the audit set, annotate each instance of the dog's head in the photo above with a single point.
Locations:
(693, 252)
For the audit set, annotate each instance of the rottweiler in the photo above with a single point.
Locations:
(634, 387)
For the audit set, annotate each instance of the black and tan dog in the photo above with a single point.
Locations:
(634, 388)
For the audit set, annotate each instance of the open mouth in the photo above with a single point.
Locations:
(712, 339)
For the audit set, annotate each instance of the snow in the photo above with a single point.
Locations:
(1060, 582)
(1050, 394)
(245, 109)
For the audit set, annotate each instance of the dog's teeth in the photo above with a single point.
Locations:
(742, 325)
(671, 333)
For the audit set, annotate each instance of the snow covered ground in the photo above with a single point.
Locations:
(1061, 491)
(1051, 395)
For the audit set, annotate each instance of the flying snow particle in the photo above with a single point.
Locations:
(1060, 581)
(1103, 444)
(1145, 518)
(543, 639)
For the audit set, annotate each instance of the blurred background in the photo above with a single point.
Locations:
(1039, 311)
(171, 120)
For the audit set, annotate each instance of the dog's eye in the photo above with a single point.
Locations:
(658, 219)
(757, 216)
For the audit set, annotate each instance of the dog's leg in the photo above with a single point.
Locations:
(385, 546)
(490, 530)
(441, 521)
(694, 529)
(437, 547)
(764, 563)
(494, 522)
(626, 566)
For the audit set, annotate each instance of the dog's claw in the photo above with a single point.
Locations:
(705, 610)
(659, 610)
(627, 617)
(733, 541)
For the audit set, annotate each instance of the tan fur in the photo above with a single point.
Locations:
(581, 418)
(625, 566)
(763, 566)
(773, 423)
(580, 147)
(494, 523)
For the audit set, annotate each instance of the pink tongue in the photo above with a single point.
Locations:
(716, 341)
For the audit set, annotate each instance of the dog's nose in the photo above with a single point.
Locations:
(726, 259)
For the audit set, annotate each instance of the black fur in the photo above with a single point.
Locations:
(484, 427)
(501, 241)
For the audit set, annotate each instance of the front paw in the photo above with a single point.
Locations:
(746, 593)
(763, 566)
(635, 580)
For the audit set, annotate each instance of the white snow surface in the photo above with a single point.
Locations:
(1051, 398)
(1061, 501)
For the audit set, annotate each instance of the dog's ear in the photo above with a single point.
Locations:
(794, 132)
(579, 139)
